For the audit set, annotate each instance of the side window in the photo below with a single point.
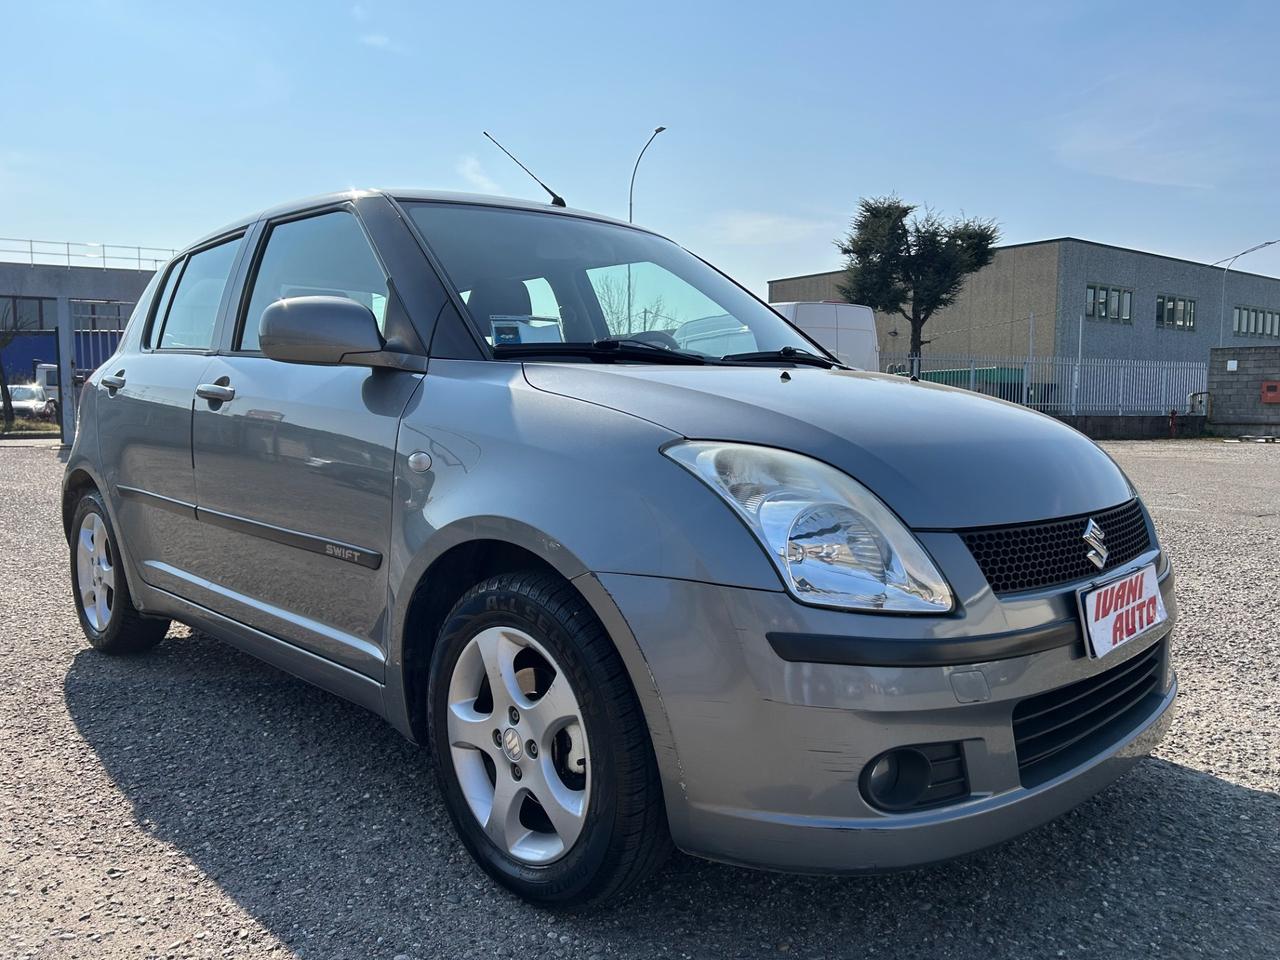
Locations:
(190, 308)
(325, 255)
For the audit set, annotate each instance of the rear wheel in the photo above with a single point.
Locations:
(543, 753)
(108, 617)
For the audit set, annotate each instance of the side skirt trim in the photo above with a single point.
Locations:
(333, 677)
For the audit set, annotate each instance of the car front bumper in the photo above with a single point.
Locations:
(762, 756)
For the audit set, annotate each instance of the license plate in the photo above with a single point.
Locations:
(1121, 609)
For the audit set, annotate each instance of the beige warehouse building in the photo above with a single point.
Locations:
(1105, 301)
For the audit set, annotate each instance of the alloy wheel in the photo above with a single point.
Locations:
(518, 745)
(95, 571)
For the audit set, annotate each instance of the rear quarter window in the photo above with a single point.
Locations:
(191, 310)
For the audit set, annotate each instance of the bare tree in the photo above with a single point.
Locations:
(625, 316)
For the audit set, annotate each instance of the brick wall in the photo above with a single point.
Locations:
(1237, 394)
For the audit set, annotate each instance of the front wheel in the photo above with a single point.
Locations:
(543, 755)
(108, 617)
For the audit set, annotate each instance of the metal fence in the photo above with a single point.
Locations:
(72, 253)
(1067, 385)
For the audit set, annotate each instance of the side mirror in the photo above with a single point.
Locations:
(323, 330)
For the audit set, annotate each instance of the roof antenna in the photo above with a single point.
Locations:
(556, 199)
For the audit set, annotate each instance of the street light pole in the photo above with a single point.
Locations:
(631, 207)
(1222, 306)
(631, 194)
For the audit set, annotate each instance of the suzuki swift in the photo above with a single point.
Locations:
(641, 563)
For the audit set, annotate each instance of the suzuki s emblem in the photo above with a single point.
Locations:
(511, 745)
(1095, 538)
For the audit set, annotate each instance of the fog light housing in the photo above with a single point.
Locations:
(916, 777)
(897, 779)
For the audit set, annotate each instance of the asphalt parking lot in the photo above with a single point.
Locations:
(194, 802)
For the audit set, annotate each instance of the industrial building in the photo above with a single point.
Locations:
(35, 298)
(1068, 297)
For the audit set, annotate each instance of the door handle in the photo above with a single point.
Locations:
(216, 392)
(113, 382)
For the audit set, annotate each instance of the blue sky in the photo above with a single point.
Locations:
(1151, 125)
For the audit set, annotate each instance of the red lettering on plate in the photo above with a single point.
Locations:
(1117, 631)
(1102, 605)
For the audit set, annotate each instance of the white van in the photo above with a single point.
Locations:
(47, 376)
(848, 330)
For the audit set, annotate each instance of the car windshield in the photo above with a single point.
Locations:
(26, 393)
(542, 278)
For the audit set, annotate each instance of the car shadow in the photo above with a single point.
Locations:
(325, 825)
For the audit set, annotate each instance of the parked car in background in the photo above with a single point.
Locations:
(701, 584)
(30, 401)
(46, 375)
(846, 330)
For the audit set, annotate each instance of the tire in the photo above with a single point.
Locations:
(603, 759)
(112, 624)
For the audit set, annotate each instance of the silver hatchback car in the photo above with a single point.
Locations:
(641, 563)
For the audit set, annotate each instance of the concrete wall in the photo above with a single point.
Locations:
(1097, 427)
(812, 286)
(1149, 276)
(1237, 406)
(72, 283)
(991, 315)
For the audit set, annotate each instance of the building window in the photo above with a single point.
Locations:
(1175, 313)
(1112, 304)
(28, 313)
(1255, 322)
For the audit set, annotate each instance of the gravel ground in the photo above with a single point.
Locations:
(194, 802)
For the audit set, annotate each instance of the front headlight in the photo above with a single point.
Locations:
(833, 541)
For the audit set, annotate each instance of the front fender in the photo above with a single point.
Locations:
(580, 486)
(583, 486)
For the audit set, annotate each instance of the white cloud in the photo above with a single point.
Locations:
(359, 13)
(472, 171)
(757, 228)
(380, 40)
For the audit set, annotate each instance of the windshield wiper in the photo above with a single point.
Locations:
(787, 354)
(601, 350)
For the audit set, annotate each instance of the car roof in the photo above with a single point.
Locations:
(445, 196)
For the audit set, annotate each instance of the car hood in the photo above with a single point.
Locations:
(940, 457)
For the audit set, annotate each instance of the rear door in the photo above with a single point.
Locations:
(144, 413)
(294, 475)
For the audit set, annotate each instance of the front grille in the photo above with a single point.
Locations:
(1055, 731)
(1036, 555)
